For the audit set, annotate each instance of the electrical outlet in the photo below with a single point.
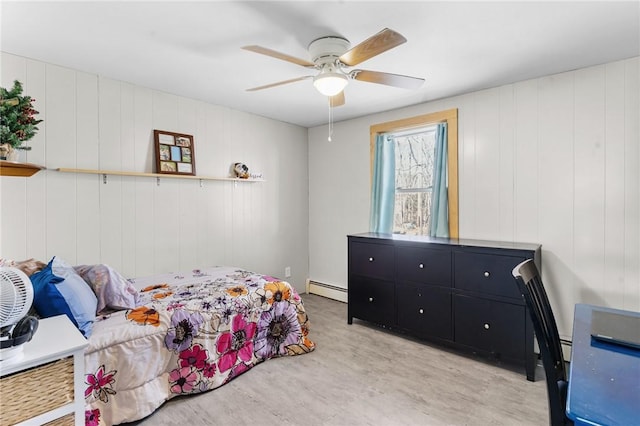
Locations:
(287, 272)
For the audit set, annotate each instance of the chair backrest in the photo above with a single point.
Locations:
(544, 325)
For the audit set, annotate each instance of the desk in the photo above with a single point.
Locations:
(604, 378)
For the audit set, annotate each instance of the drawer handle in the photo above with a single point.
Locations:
(486, 326)
(421, 266)
(371, 299)
(421, 310)
(371, 259)
(486, 274)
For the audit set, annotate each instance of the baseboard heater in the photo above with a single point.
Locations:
(327, 290)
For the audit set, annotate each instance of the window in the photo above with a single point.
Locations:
(414, 138)
(413, 180)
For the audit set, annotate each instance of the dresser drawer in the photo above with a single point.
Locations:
(491, 326)
(425, 310)
(371, 260)
(422, 265)
(487, 274)
(372, 300)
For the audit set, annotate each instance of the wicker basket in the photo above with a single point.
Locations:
(62, 421)
(32, 392)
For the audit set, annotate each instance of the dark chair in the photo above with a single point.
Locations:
(546, 330)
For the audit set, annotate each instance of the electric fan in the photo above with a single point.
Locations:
(16, 327)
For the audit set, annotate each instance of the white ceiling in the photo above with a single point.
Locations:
(193, 49)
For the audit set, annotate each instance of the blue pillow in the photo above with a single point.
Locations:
(58, 289)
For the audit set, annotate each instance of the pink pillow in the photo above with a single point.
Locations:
(114, 292)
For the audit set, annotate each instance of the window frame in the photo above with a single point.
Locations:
(450, 117)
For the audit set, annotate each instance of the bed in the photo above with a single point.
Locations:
(188, 333)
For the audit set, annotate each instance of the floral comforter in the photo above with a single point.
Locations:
(192, 333)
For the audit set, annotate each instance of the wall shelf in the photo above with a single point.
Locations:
(155, 175)
(14, 168)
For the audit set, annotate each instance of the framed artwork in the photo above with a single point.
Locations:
(175, 153)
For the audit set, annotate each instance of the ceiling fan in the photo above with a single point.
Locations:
(332, 56)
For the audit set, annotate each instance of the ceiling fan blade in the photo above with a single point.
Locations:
(278, 55)
(396, 80)
(375, 45)
(337, 100)
(267, 86)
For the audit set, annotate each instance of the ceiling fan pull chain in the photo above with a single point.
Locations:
(330, 118)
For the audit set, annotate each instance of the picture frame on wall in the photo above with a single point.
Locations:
(175, 153)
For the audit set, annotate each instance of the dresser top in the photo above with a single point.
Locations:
(460, 242)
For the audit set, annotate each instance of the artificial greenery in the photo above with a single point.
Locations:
(17, 117)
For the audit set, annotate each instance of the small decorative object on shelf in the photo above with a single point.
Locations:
(17, 121)
(241, 170)
(174, 153)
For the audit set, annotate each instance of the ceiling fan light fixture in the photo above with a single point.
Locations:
(330, 83)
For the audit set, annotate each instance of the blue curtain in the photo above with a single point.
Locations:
(383, 186)
(439, 197)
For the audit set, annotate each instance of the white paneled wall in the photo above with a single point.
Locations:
(136, 224)
(555, 161)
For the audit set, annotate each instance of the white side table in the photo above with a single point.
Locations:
(55, 354)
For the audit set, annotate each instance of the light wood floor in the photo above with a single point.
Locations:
(363, 375)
